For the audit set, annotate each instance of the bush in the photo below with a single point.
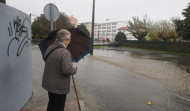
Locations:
(183, 47)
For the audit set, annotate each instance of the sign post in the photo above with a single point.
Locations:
(51, 13)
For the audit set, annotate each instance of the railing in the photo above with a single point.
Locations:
(159, 45)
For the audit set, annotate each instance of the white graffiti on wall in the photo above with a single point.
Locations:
(18, 32)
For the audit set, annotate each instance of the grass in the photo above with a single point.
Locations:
(99, 46)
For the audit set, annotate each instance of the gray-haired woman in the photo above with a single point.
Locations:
(57, 71)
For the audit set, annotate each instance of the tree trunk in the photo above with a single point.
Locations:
(3, 1)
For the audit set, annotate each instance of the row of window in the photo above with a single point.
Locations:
(105, 24)
(105, 27)
(105, 35)
(108, 34)
(105, 31)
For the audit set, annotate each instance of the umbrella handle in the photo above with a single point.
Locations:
(76, 92)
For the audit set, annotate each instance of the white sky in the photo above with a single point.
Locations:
(114, 10)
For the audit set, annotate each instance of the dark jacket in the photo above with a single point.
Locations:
(58, 68)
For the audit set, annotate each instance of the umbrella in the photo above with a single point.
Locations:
(79, 47)
(47, 42)
(80, 44)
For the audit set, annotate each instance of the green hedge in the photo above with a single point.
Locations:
(183, 47)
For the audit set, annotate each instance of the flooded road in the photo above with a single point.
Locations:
(169, 70)
(126, 79)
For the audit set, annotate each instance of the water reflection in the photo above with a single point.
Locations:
(169, 70)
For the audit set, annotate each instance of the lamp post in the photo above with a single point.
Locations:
(92, 34)
(107, 27)
(98, 32)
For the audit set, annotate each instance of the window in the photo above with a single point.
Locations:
(104, 24)
(113, 23)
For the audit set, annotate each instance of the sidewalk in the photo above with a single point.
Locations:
(39, 99)
(69, 106)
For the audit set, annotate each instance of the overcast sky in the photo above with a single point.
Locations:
(114, 10)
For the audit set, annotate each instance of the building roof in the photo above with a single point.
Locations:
(122, 28)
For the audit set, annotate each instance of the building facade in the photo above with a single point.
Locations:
(108, 31)
(73, 20)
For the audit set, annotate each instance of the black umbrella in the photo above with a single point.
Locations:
(79, 47)
(80, 44)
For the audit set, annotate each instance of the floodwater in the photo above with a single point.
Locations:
(117, 79)
(169, 70)
(125, 79)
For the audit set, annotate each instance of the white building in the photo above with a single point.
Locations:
(103, 31)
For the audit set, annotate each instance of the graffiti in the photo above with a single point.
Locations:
(18, 32)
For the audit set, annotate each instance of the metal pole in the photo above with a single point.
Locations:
(51, 18)
(106, 28)
(92, 34)
(76, 92)
(55, 25)
(98, 32)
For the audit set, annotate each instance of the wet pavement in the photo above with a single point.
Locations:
(125, 80)
(169, 70)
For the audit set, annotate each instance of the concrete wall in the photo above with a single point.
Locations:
(15, 59)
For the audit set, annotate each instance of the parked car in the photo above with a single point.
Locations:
(113, 44)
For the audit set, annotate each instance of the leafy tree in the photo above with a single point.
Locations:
(139, 28)
(63, 22)
(186, 23)
(41, 26)
(120, 37)
(82, 27)
(165, 30)
(152, 33)
(178, 26)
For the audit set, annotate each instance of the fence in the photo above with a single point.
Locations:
(183, 47)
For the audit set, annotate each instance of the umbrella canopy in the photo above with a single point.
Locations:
(79, 46)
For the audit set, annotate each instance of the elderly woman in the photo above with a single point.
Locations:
(57, 72)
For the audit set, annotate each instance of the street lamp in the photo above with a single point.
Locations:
(98, 32)
(92, 34)
(107, 27)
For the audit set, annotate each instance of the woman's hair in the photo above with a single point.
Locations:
(62, 34)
